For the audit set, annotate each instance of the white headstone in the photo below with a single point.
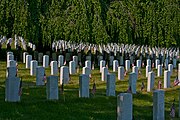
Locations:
(86, 70)
(158, 105)
(157, 63)
(138, 64)
(115, 65)
(10, 57)
(111, 85)
(40, 74)
(11, 63)
(124, 106)
(33, 66)
(24, 56)
(60, 60)
(99, 59)
(64, 76)
(148, 69)
(54, 68)
(127, 65)
(104, 74)
(135, 70)
(159, 71)
(150, 82)
(52, 88)
(102, 64)
(166, 79)
(121, 73)
(46, 61)
(12, 89)
(148, 62)
(88, 64)
(132, 82)
(84, 85)
(72, 67)
(75, 58)
(28, 60)
(166, 64)
(170, 68)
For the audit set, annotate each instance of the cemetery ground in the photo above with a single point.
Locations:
(34, 105)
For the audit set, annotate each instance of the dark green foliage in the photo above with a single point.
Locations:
(95, 21)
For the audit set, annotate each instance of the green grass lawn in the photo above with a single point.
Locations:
(34, 105)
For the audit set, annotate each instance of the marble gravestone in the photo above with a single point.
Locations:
(138, 64)
(104, 74)
(135, 70)
(124, 106)
(72, 67)
(86, 70)
(121, 73)
(45, 61)
(115, 65)
(84, 85)
(102, 64)
(166, 79)
(88, 64)
(110, 85)
(10, 57)
(170, 69)
(148, 69)
(28, 60)
(75, 59)
(52, 88)
(64, 75)
(148, 62)
(54, 68)
(33, 65)
(24, 56)
(132, 82)
(127, 65)
(159, 71)
(11, 63)
(12, 89)
(157, 63)
(150, 82)
(158, 105)
(40, 74)
(11, 72)
(60, 60)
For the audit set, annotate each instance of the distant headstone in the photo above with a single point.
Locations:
(84, 85)
(40, 57)
(64, 76)
(124, 106)
(159, 71)
(40, 75)
(166, 79)
(52, 88)
(127, 65)
(11, 63)
(115, 65)
(86, 70)
(54, 57)
(150, 82)
(166, 64)
(46, 61)
(60, 60)
(24, 57)
(102, 64)
(33, 66)
(88, 64)
(121, 73)
(110, 85)
(170, 69)
(10, 57)
(157, 63)
(54, 68)
(138, 64)
(148, 62)
(75, 59)
(28, 60)
(148, 69)
(100, 58)
(72, 67)
(132, 82)
(158, 105)
(135, 70)
(104, 74)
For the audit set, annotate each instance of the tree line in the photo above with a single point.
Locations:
(143, 22)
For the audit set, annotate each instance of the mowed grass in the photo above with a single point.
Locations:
(34, 105)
